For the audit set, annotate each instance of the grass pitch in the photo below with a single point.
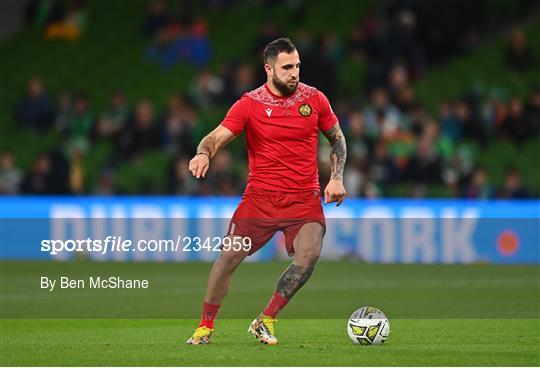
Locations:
(302, 342)
(439, 315)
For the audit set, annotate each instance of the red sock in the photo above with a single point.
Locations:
(209, 313)
(275, 305)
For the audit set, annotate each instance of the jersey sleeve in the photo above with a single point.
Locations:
(237, 116)
(327, 118)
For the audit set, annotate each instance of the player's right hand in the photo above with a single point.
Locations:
(198, 166)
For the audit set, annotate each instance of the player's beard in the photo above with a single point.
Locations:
(286, 89)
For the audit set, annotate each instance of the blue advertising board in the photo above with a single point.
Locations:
(388, 231)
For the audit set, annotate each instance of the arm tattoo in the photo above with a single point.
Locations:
(293, 279)
(338, 151)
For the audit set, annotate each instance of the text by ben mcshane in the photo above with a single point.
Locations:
(93, 282)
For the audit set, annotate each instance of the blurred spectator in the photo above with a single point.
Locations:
(35, 110)
(43, 12)
(70, 24)
(64, 111)
(416, 119)
(352, 179)
(532, 114)
(459, 167)
(318, 67)
(80, 123)
(450, 125)
(357, 153)
(60, 171)
(469, 122)
(141, 133)
(333, 48)
(404, 43)
(37, 181)
(513, 186)
(381, 117)
(220, 179)
(105, 183)
(178, 122)
(10, 174)
(177, 103)
(398, 80)
(76, 172)
(479, 186)
(401, 93)
(494, 112)
(425, 165)
(208, 89)
(113, 119)
(443, 145)
(356, 43)
(519, 56)
(244, 81)
(181, 181)
(394, 40)
(382, 169)
(357, 144)
(418, 190)
(183, 40)
(157, 18)
(178, 137)
(405, 99)
(359, 183)
(514, 126)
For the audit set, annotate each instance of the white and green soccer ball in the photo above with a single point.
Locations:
(368, 326)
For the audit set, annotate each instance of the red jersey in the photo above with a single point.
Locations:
(282, 135)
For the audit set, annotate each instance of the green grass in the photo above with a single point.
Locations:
(440, 315)
(303, 342)
(334, 291)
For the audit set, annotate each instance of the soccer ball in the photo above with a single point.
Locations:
(368, 326)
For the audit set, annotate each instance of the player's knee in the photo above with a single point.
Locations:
(229, 256)
(232, 256)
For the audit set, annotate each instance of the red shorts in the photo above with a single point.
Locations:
(262, 213)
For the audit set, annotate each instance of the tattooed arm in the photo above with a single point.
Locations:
(208, 148)
(335, 191)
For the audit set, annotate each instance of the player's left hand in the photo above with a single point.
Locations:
(334, 192)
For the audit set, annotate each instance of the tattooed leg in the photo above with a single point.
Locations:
(307, 246)
(293, 279)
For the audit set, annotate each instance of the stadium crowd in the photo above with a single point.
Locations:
(392, 137)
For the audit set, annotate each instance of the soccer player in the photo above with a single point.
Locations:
(282, 120)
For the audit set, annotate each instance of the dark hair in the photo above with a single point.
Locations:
(272, 50)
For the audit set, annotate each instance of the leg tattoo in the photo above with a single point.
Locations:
(293, 279)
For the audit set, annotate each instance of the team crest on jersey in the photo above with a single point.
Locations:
(304, 110)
